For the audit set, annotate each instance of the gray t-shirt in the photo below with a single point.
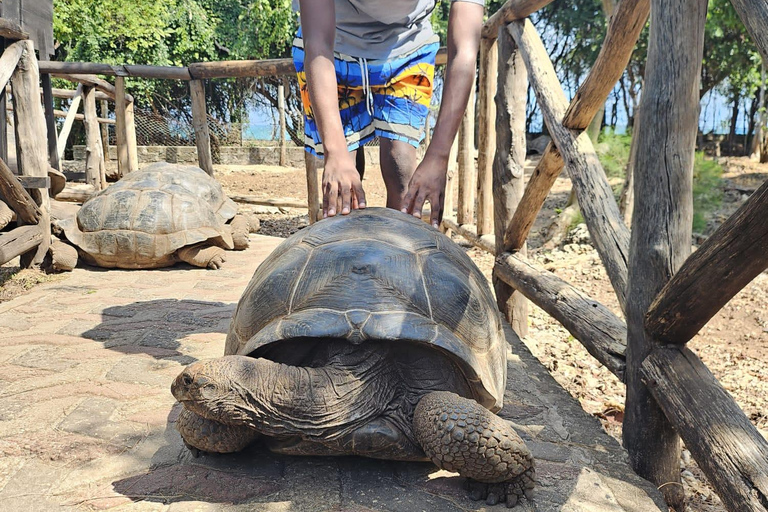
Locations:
(379, 29)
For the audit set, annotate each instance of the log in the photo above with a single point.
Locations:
(628, 20)
(76, 193)
(4, 127)
(512, 10)
(661, 222)
(94, 157)
(32, 182)
(50, 122)
(726, 262)
(103, 121)
(450, 180)
(601, 213)
(19, 241)
(67, 94)
(509, 166)
(8, 62)
(725, 444)
(313, 203)
(754, 15)
(66, 128)
(130, 136)
(626, 24)
(93, 81)
(31, 151)
(469, 232)
(200, 123)
(12, 31)
(486, 136)
(466, 164)
(132, 70)
(281, 122)
(17, 198)
(277, 202)
(125, 130)
(602, 333)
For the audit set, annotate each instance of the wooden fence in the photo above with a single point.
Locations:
(669, 390)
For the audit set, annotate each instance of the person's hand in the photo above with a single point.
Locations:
(427, 184)
(342, 188)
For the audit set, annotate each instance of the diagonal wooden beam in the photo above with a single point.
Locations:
(754, 15)
(512, 10)
(726, 262)
(601, 213)
(626, 24)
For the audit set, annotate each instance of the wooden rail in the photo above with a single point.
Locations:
(724, 264)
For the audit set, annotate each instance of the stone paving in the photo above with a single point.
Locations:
(87, 418)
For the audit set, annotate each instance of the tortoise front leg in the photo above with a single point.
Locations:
(204, 435)
(203, 255)
(460, 435)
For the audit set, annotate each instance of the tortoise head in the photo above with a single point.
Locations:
(229, 389)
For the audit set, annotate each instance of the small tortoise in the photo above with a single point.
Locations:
(153, 218)
(367, 334)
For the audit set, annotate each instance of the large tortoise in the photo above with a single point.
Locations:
(370, 334)
(153, 218)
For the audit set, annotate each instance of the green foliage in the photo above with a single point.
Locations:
(613, 151)
(707, 190)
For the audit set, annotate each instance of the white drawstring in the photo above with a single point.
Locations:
(366, 84)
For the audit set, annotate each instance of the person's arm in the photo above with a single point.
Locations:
(465, 22)
(341, 181)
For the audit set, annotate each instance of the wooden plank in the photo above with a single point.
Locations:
(626, 24)
(281, 122)
(607, 229)
(130, 136)
(602, 333)
(17, 198)
(8, 62)
(486, 136)
(466, 162)
(31, 153)
(69, 94)
(510, 11)
(200, 124)
(50, 122)
(33, 182)
(81, 117)
(450, 180)
(94, 81)
(469, 231)
(509, 165)
(313, 199)
(722, 440)
(66, 128)
(727, 261)
(103, 126)
(661, 221)
(76, 193)
(12, 31)
(3, 127)
(628, 19)
(19, 241)
(94, 157)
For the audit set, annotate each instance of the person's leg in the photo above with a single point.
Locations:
(398, 162)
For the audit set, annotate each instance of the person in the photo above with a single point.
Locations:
(365, 70)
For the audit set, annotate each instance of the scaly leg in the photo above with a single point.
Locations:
(460, 435)
(203, 256)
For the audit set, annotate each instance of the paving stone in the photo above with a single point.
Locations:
(44, 358)
(29, 489)
(93, 418)
(144, 371)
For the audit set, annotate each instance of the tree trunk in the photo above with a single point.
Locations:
(661, 223)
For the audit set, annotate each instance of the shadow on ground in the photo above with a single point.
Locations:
(155, 327)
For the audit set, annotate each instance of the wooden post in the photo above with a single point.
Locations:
(450, 183)
(281, 116)
(3, 125)
(104, 110)
(486, 136)
(50, 123)
(727, 261)
(94, 158)
(466, 204)
(74, 105)
(130, 133)
(200, 123)
(31, 154)
(509, 166)
(725, 444)
(661, 222)
(313, 202)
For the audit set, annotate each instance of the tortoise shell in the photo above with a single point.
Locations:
(376, 274)
(140, 221)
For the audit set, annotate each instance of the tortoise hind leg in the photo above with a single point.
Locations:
(203, 255)
(460, 435)
(204, 435)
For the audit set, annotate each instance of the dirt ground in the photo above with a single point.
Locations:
(734, 344)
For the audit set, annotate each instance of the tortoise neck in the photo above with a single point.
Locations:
(321, 403)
